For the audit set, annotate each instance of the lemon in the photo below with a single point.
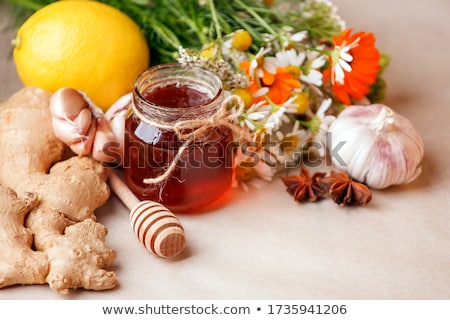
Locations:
(85, 45)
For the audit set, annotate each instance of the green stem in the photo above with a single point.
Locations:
(257, 125)
(258, 18)
(274, 107)
(255, 36)
(178, 10)
(307, 48)
(165, 34)
(305, 124)
(215, 20)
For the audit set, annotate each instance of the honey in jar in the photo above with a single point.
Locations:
(163, 96)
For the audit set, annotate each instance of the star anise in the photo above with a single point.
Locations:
(303, 187)
(345, 191)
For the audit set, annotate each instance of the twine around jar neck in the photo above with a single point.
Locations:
(191, 129)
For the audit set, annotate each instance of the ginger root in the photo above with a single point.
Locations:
(69, 243)
(76, 252)
(16, 255)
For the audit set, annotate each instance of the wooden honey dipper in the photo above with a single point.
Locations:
(158, 229)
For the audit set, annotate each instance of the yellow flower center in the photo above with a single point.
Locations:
(245, 95)
(241, 40)
(302, 102)
(245, 173)
(289, 143)
(207, 53)
(315, 125)
(259, 60)
(294, 71)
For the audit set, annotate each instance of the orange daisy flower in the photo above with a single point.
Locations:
(355, 63)
(278, 86)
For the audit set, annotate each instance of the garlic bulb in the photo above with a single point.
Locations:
(376, 146)
(85, 128)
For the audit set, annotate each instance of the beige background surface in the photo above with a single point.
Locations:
(263, 245)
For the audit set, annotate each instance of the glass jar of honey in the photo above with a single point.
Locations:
(168, 135)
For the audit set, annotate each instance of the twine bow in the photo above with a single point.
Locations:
(189, 130)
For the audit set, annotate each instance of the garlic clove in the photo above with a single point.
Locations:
(83, 145)
(376, 146)
(104, 140)
(80, 124)
(83, 121)
(71, 115)
(72, 131)
(116, 115)
(66, 103)
(66, 132)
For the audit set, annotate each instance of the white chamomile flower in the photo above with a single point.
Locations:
(276, 118)
(289, 145)
(299, 36)
(291, 60)
(341, 61)
(254, 116)
(311, 69)
(320, 124)
(261, 64)
(252, 169)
